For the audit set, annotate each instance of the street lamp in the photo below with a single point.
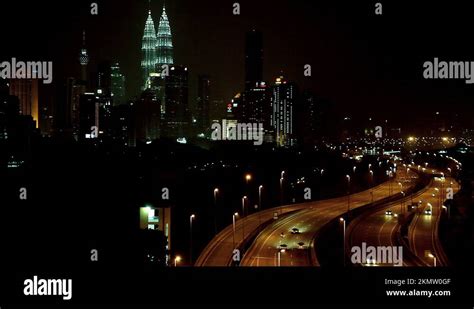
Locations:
(260, 188)
(343, 239)
(248, 177)
(281, 191)
(371, 173)
(243, 215)
(348, 193)
(216, 191)
(177, 259)
(401, 202)
(191, 218)
(233, 229)
(434, 259)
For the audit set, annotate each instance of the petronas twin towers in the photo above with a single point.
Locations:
(157, 47)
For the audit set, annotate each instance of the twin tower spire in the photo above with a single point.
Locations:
(157, 46)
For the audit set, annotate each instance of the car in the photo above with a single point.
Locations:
(428, 212)
(388, 213)
(295, 231)
(301, 245)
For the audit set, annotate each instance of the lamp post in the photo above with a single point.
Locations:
(343, 240)
(260, 188)
(177, 259)
(348, 193)
(191, 218)
(216, 191)
(243, 215)
(282, 175)
(233, 229)
(371, 173)
(434, 259)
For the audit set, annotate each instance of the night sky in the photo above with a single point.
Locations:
(366, 64)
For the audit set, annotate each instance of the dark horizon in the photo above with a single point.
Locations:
(362, 63)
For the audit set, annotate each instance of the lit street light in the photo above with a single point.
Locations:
(243, 215)
(216, 191)
(371, 173)
(348, 193)
(177, 259)
(281, 191)
(343, 239)
(248, 177)
(434, 259)
(191, 218)
(233, 229)
(260, 188)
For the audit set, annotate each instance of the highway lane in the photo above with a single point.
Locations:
(423, 231)
(264, 249)
(378, 228)
(220, 250)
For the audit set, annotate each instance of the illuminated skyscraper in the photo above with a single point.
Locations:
(118, 85)
(283, 102)
(164, 45)
(203, 102)
(149, 44)
(83, 60)
(253, 59)
(177, 110)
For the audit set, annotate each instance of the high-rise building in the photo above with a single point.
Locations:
(149, 56)
(283, 101)
(27, 92)
(203, 103)
(164, 45)
(118, 85)
(89, 116)
(218, 109)
(147, 117)
(122, 125)
(177, 115)
(84, 60)
(104, 78)
(253, 59)
(256, 105)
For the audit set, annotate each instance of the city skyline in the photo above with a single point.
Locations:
(364, 90)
